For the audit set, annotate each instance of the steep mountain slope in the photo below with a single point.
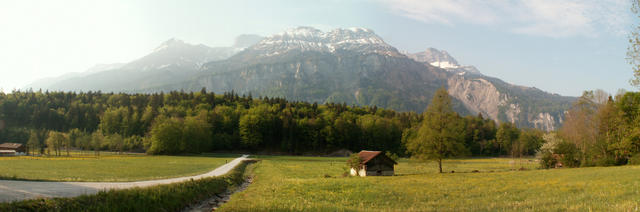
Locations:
(344, 65)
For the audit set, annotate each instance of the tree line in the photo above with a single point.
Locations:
(193, 122)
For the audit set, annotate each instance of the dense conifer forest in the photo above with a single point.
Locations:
(181, 122)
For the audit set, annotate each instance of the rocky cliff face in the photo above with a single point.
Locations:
(477, 95)
(494, 98)
(497, 100)
(545, 121)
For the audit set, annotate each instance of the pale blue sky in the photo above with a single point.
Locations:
(560, 46)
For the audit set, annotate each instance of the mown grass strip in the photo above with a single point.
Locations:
(171, 197)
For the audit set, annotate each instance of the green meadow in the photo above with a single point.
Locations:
(108, 167)
(317, 184)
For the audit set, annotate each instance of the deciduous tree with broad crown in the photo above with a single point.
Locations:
(440, 133)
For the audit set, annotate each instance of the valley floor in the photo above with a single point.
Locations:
(317, 184)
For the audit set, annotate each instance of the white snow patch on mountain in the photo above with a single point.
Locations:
(311, 39)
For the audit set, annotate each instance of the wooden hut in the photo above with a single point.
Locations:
(374, 163)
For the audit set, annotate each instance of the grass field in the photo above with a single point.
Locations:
(108, 167)
(316, 184)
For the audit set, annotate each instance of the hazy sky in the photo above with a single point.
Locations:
(560, 46)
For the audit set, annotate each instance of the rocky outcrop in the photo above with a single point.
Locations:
(483, 95)
(477, 95)
(512, 113)
(544, 121)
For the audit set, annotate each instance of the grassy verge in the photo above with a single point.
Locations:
(108, 168)
(316, 184)
(171, 197)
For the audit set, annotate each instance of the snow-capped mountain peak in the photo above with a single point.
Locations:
(300, 32)
(311, 39)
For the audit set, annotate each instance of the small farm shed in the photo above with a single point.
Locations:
(13, 146)
(374, 163)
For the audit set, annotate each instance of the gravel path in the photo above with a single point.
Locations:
(12, 190)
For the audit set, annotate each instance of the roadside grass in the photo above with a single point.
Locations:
(108, 167)
(316, 184)
(170, 197)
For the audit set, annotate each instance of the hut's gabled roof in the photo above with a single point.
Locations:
(366, 156)
(10, 145)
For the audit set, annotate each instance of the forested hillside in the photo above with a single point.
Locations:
(179, 122)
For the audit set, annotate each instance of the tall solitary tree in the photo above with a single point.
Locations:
(440, 133)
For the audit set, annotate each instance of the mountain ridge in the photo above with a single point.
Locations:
(171, 61)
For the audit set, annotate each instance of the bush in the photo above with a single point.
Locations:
(547, 160)
(570, 154)
(634, 160)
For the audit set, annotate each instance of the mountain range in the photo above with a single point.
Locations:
(354, 66)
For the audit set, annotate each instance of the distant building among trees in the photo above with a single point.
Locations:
(12, 149)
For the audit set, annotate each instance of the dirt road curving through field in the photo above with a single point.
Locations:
(13, 190)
